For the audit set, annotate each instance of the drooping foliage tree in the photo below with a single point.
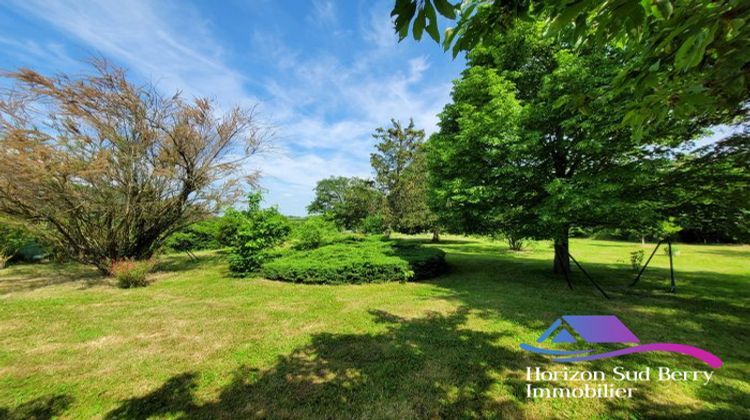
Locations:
(686, 58)
(400, 174)
(528, 147)
(108, 169)
(346, 201)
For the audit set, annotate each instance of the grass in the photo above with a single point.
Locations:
(199, 344)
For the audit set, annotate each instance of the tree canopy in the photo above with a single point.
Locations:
(401, 175)
(686, 58)
(528, 148)
(346, 201)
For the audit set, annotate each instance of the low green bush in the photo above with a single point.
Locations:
(131, 273)
(357, 261)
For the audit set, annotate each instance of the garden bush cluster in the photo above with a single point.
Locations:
(364, 261)
(131, 273)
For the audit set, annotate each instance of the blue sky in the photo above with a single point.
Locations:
(324, 73)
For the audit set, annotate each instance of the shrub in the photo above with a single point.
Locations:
(258, 232)
(201, 235)
(515, 243)
(315, 232)
(365, 261)
(131, 273)
(636, 260)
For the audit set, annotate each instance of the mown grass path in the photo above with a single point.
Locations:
(200, 344)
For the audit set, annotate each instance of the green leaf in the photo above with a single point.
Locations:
(400, 7)
(403, 20)
(568, 15)
(693, 49)
(432, 26)
(450, 33)
(445, 8)
(418, 27)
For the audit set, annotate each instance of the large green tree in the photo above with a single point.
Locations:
(346, 201)
(528, 147)
(687, 58)
(400, 173)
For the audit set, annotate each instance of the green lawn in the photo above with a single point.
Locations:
(198, 343)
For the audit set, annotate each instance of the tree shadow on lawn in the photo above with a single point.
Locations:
(28, 277)
(709, 311)
(423, 367)
(46, 407)
(429, 367)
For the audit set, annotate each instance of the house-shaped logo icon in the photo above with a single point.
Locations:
(605, 329)
(590, 328)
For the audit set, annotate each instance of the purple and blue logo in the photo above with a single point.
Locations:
(606, 329)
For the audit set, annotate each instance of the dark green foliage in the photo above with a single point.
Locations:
(314, 232)
(257, 232)
(709, 194)
(688, 58)
(374, 224)
(201, 235)
(18, 244)
(528, 148)
(346, 201)
(401, 173)
(365, 261)
(228, 226)
(424, 262)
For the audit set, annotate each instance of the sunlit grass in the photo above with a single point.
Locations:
(199, 343)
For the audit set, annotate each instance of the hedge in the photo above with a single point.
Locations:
(357, 262)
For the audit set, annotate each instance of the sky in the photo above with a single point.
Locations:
(323, 73)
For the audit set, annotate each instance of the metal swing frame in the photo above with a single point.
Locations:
(673, 286)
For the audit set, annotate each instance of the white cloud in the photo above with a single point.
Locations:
(378, 29)
(324, 12)
(28, 50)
(171, 45)
(325, 106)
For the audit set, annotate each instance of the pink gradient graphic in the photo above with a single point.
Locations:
(700, 354)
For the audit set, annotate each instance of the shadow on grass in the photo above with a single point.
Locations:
(709, 311)
(41, 408)
(28, 277)
(426, 367)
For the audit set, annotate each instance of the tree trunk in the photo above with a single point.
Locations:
(435, 234)
(562, 260)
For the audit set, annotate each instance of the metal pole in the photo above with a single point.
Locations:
(589, 277)
(673, 288)
(638, 277)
